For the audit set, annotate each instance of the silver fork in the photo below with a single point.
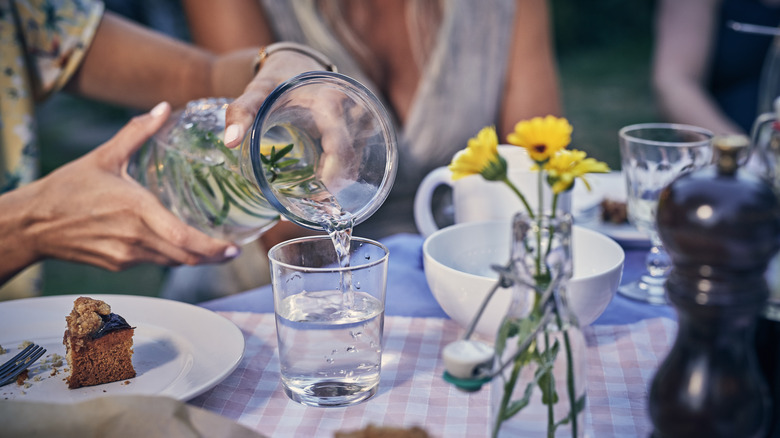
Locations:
(14, 366)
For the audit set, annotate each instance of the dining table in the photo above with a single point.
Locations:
(625, 346)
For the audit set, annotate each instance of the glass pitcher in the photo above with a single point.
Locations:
(322, 152)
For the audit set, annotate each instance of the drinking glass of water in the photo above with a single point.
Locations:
(329, 308)
(652, 155)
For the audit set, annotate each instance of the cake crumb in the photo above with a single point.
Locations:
(3, 350)
(85, 316)
(22, 377)
(25, 344)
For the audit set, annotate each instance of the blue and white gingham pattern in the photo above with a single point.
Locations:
(621, 362)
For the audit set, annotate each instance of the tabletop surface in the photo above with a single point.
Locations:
(625, 346)
(408, 293)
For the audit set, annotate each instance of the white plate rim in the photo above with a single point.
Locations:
(205, 347)
(582, 200)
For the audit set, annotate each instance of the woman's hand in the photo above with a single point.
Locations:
(324, 107)
(278, 68)
(91, 211)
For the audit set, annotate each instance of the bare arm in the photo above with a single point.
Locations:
(225, 25)
(91, 211)
(532, 87)
(685, 34)
(130, 65)
(231, 24)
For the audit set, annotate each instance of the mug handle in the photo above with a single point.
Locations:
(423, 210)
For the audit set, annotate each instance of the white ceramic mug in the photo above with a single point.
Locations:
(476, 199)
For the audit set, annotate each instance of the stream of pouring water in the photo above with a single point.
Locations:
(323, 208)
(340, 232)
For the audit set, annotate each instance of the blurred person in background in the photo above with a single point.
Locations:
(704, 72)
(91, 211)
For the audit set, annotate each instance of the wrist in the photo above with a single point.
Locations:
(289, 46)
(17, 249)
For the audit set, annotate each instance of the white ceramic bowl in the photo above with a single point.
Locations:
(457, 262)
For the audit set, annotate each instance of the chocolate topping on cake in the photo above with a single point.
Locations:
(111, 322)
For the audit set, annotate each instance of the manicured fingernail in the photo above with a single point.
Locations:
(232, 252)
(159, 109)
(231, 133)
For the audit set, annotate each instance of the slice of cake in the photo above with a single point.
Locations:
(98, 344)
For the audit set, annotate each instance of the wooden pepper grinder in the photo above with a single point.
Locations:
(720, 226)
(768, 350)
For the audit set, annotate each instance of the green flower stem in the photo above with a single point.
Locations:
(567, 344)
(519, 195)
(539, 223)
(542, 278)
(552, 216)
(550, 390)
(539, 190)
(570, 389)
(507, 396)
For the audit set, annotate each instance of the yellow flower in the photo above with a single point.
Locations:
(542, 137)
(567, 165)
(480, 158)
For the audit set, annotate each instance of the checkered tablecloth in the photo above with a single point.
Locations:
(621, 361)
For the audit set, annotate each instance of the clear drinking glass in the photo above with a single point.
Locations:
(652, 155)
(329, 319)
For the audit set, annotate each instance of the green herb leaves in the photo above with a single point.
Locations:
(274, 163)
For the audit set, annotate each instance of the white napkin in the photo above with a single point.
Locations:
(116, 417)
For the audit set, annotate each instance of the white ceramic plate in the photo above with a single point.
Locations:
(181, 350)
(587, 213)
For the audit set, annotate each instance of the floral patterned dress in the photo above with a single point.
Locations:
(42, 43)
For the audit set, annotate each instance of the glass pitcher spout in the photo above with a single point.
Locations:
(344, 156)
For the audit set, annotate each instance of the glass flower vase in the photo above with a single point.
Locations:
(540, 349)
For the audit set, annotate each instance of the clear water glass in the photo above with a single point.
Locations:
(329, 319)
(652, 155)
